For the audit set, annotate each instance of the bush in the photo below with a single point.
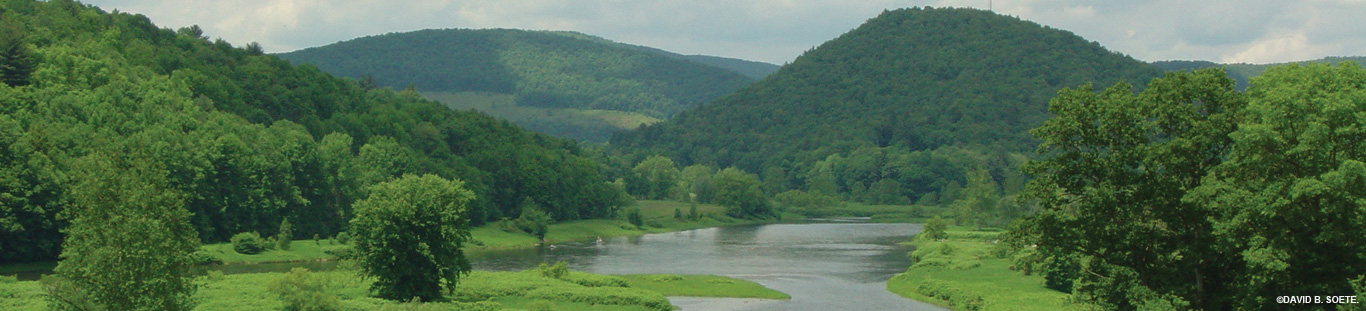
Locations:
(604, 296)
(202, 258)
(594, 280)
(633, 216)
(556, 271)
(286, 235)
(301, 290)
(248, 243)
(957, 297)
(343, 238)
(935, 229)
(535, 222)
(7, 279)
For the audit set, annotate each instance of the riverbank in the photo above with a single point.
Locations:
(971, 271)
(480, 290)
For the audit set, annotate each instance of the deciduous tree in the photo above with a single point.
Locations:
(409, 236)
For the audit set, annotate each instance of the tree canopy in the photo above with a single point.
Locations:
(246, 137)
(409, 234)
(919, 96)
(1193, 195)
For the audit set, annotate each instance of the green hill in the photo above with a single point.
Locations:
(1242, 72)
(555, 72)
(911, 101)
(241, 139)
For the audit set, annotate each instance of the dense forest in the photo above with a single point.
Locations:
(541, 68)
(906, 108)
(240, 139)
(1241, 73)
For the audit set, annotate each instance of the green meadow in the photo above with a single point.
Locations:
(967, 271)
(480, 290)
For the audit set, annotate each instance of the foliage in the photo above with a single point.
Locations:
(129, 245)
(301, 290)
(409, 236)
(16, 59)
(934, 230)
(343, 237)
(248, 243)
(534, 221)
(247, 138)
(920, 96)
(555, 271)
(286, 235)
(1288, 197)
(739, 192)
(633, 217)
(654, 178)
(542, 68)
(1234, 196)
(803, 199)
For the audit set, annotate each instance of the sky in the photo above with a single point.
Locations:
(777, 31)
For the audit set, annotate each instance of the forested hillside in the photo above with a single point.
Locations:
(907, 107)
(553, 71)
(239, 139)
(1242, 72)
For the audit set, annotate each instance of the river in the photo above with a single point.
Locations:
(823, 266)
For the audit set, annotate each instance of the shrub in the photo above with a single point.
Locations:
(202, 258)
(7, 279)
(301, 290)
(654, 223)
(248, 243)
(666, 278)
(678, 214)
(343, 237)
(535, 222)
(214, 275)
(594, 280)
(633, 216)
(935, 229)
(556, 271)
(604, 296)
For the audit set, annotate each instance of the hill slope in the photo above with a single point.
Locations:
(1242, 72)
(240, 139)
(907, 81)
(539, 69)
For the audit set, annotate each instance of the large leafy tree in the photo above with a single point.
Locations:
(739, 192)
(1291, 196)
(655, 176)
(1114, 171)
(409, 235)
(130, 242)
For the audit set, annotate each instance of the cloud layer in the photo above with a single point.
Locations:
(777, 31)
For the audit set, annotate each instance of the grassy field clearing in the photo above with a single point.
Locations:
(967, 272)
(481, 290)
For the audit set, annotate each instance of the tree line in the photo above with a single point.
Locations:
(246, 138)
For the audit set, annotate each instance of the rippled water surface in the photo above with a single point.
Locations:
(824, 266)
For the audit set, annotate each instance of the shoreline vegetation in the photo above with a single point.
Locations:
(975, 270)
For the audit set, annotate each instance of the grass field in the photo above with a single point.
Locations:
(299, 250)
(586, 124)
(966, 272)
(876, 212)
(702, 286)
(480, 290)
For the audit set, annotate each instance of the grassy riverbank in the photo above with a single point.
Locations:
(481, 290)
(967, 271)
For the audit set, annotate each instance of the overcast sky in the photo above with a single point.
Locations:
(777, 31)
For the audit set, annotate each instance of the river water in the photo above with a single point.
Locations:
(823, 266)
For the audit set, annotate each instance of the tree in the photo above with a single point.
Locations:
(1289, 196)
(739, 192)
(409, 234)
(130, 243)
(16, 63)
(979, 200)
(935, 229)
(286, 235)
(658, 174)
(1114, 170)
